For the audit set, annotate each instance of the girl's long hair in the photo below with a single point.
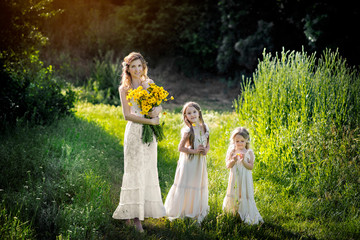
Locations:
(125, 76)
(191, 134)
(238, 131)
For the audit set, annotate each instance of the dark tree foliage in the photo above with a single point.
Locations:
(250, 26)
(333, 24)
(27, 88)
(220, 36)
(199, 40)
(19, 27)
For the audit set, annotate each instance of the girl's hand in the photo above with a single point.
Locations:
(204, 150)
(240, 157)
(155, 121)
(201, 150)
(233, 162)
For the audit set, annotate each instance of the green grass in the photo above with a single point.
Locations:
(71, 176)
(63, 181)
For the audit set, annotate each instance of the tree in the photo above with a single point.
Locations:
(19, 27)
(27, 88)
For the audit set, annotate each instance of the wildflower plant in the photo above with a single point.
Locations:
(201, 139)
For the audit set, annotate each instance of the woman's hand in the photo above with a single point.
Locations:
(155, 112)
(155, 121)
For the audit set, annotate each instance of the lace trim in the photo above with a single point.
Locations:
(139, 188)
(140, 203)
(199, 217)
(248, 220)
(193, 188)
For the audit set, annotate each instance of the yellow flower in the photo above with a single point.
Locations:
(194, 125)
(130, 104)
(172, 98)
(148, 98)
(152, 100)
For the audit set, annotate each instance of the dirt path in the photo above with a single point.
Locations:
(209, 91)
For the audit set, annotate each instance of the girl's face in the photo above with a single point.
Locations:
(192, 114)
(240, 142)
(136, 69)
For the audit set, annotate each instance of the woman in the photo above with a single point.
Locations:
(140, 195)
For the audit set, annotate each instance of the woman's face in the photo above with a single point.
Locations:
(240, 142)
(192, 114)
(136, 69)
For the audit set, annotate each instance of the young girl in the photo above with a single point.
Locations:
(188, 196)
(240, 192)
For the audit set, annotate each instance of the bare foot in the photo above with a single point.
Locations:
(138, 225)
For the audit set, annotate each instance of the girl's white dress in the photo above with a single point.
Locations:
(188, 196)
(240, 192)
(140, 195)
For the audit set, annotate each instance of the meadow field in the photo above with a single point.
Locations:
(62, 180)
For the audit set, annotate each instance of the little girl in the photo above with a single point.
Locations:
(188, 196)
(240, 192)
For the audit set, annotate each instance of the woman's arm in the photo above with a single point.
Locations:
(155, 112)
(131, 117)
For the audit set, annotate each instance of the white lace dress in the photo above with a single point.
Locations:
(140, 195)
(240, 192)
(188, 196)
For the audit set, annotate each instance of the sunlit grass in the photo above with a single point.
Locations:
(77, 187)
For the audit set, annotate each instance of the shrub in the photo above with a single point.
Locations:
(30, 93)
(102, 86)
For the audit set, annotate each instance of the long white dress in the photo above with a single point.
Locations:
(140, 195)
(240, 192)
(188, 196)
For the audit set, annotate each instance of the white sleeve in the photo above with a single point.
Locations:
(185, 130)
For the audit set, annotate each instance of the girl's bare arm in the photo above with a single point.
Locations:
(184, 149)
(250, 165)
(230, 160)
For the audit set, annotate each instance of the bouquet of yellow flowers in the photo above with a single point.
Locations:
(147, 99)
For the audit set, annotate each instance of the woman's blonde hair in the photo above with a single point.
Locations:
(125, 76)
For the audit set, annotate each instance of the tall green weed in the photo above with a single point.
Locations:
(303, 114)
(102, 85)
